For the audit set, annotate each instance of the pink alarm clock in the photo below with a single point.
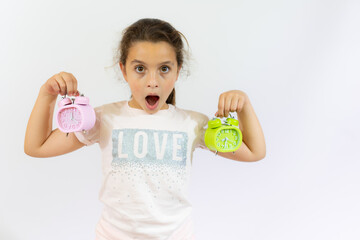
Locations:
(75, 115)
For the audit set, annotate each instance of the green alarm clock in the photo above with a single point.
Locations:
(223, 137)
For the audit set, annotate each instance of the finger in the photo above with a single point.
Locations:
(221, 106)
(227, 106)
(69, 83)
(234, 105)
(54, 87)
(75, 85)
(62, 84)
(240, 104)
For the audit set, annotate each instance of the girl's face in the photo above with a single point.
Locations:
(151, 71)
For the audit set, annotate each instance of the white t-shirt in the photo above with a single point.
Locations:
(146, 165)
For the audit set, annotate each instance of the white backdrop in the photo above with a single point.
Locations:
(297, 60)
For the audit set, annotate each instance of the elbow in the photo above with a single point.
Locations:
(27, 148)
(30, 152)
(257, 158)
(251, 158)
(260, 156)
(30, 149)
(27, 152)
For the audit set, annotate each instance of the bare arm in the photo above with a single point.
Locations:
(40, 139)
(253, 147)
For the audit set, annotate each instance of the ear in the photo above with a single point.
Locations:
(123, 70)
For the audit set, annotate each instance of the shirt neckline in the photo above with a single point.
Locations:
(136, 111)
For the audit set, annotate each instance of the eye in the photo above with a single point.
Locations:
(141, 68)
(164, 68)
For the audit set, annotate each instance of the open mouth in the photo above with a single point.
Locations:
(152, 99)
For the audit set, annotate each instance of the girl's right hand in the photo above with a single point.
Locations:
(62, 83)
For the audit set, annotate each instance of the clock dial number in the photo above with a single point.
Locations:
(227, 139)
(70, 118)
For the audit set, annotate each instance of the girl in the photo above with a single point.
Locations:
(146, 142)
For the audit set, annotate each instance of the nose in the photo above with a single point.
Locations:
(153, 81)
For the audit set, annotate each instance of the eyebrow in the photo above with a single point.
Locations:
(138, 61)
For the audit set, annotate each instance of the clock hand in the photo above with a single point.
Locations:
(226, 139)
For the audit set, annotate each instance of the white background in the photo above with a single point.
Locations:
(297, 60)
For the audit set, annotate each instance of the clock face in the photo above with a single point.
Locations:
(228, 139)
(70, 118)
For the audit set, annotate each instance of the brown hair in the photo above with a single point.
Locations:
(153, 30)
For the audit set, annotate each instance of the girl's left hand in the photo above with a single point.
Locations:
(231, 101)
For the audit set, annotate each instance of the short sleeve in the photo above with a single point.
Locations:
(92, 135)
(201, 129)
